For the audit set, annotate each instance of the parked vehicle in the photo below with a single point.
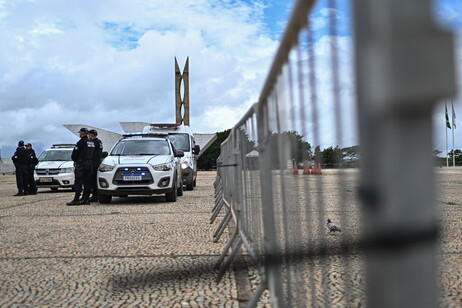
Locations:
(182, 139)
(55, 168)
(141, 164)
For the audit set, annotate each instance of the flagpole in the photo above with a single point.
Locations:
(447, 156)
(453, 133)
(446, 130)
(453, 154)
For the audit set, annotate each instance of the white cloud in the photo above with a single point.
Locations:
(102, 62)
(62, 64)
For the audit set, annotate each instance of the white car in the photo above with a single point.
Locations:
(55, 168)
(182, 138)
(141, 164)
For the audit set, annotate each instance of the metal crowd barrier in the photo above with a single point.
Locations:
(384, 254)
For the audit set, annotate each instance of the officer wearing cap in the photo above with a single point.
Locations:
(82, 155)
(33, 161)
(20, 159)
(98, 154)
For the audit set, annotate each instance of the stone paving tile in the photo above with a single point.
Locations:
(145, 252)
(107, 235)
(134, 252)
(114, 282)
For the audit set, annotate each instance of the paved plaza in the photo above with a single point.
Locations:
(134, 252)
(146, 252)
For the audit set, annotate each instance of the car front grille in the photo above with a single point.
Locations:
(146, 176)
(47, 171)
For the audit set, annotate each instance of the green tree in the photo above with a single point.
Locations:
(457, 154)
(317, 157)
(332, 156)
(208, 159)
(294, 146)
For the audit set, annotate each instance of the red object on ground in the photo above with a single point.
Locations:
(312, 169)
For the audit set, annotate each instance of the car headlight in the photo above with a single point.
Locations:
(185, 164)
(105, 168)
(67, 170)
(162, 167)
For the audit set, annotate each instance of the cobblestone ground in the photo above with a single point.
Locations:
(139, 252)
(134, 252)
(336, 281)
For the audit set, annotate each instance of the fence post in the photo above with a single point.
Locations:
(404, 64)
(272, 258)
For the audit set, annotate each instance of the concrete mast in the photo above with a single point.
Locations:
(182, 102)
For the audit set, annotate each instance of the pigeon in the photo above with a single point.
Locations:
(332, 227)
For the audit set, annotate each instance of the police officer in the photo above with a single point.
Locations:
(98, 154)
(21, 161)
(82, 155)
(33, 161)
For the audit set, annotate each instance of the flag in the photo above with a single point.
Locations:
(448, 124)
(453, 116)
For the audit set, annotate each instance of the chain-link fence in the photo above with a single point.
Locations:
(317, 236)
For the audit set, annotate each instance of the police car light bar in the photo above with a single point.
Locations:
(145, 134)
(165, 125)
(62, 145)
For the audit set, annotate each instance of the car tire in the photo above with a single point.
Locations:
(171, 196)
(104, 198)
(190, 186)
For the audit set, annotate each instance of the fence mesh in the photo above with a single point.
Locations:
(286, 203)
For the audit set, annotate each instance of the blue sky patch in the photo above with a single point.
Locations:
(122, 36)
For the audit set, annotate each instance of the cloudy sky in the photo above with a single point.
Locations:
(103, 62)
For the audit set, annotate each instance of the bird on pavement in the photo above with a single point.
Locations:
(332, 227)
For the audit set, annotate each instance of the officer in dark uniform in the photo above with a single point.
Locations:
(82, 155)
(21, 162)
(33, 161)
(98, 154)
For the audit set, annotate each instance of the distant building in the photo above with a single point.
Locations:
(6, 166)
(110, 138)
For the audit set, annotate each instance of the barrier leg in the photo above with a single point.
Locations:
(225, 250)
(225, 266)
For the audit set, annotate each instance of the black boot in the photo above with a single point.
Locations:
(26, 192)
(75, 201)
(85, 199)
(20, 193)
(94, 198)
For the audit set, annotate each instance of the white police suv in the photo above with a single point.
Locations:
(55, 168)
(182, 138)
(141, 164)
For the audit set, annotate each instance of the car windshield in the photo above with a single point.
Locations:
(180, 141)
(55, 155)
(141, 147)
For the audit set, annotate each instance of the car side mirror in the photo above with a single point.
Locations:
(179, 153)
(196, 150)
(104, 154)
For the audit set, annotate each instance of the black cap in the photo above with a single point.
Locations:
(28, 145)
(20, 143)
(93, 132)
(83, 130)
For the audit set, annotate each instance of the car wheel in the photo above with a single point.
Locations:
(179, 191)
(190, 186)
(104, 198)
(54, 188)
(171, 196)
